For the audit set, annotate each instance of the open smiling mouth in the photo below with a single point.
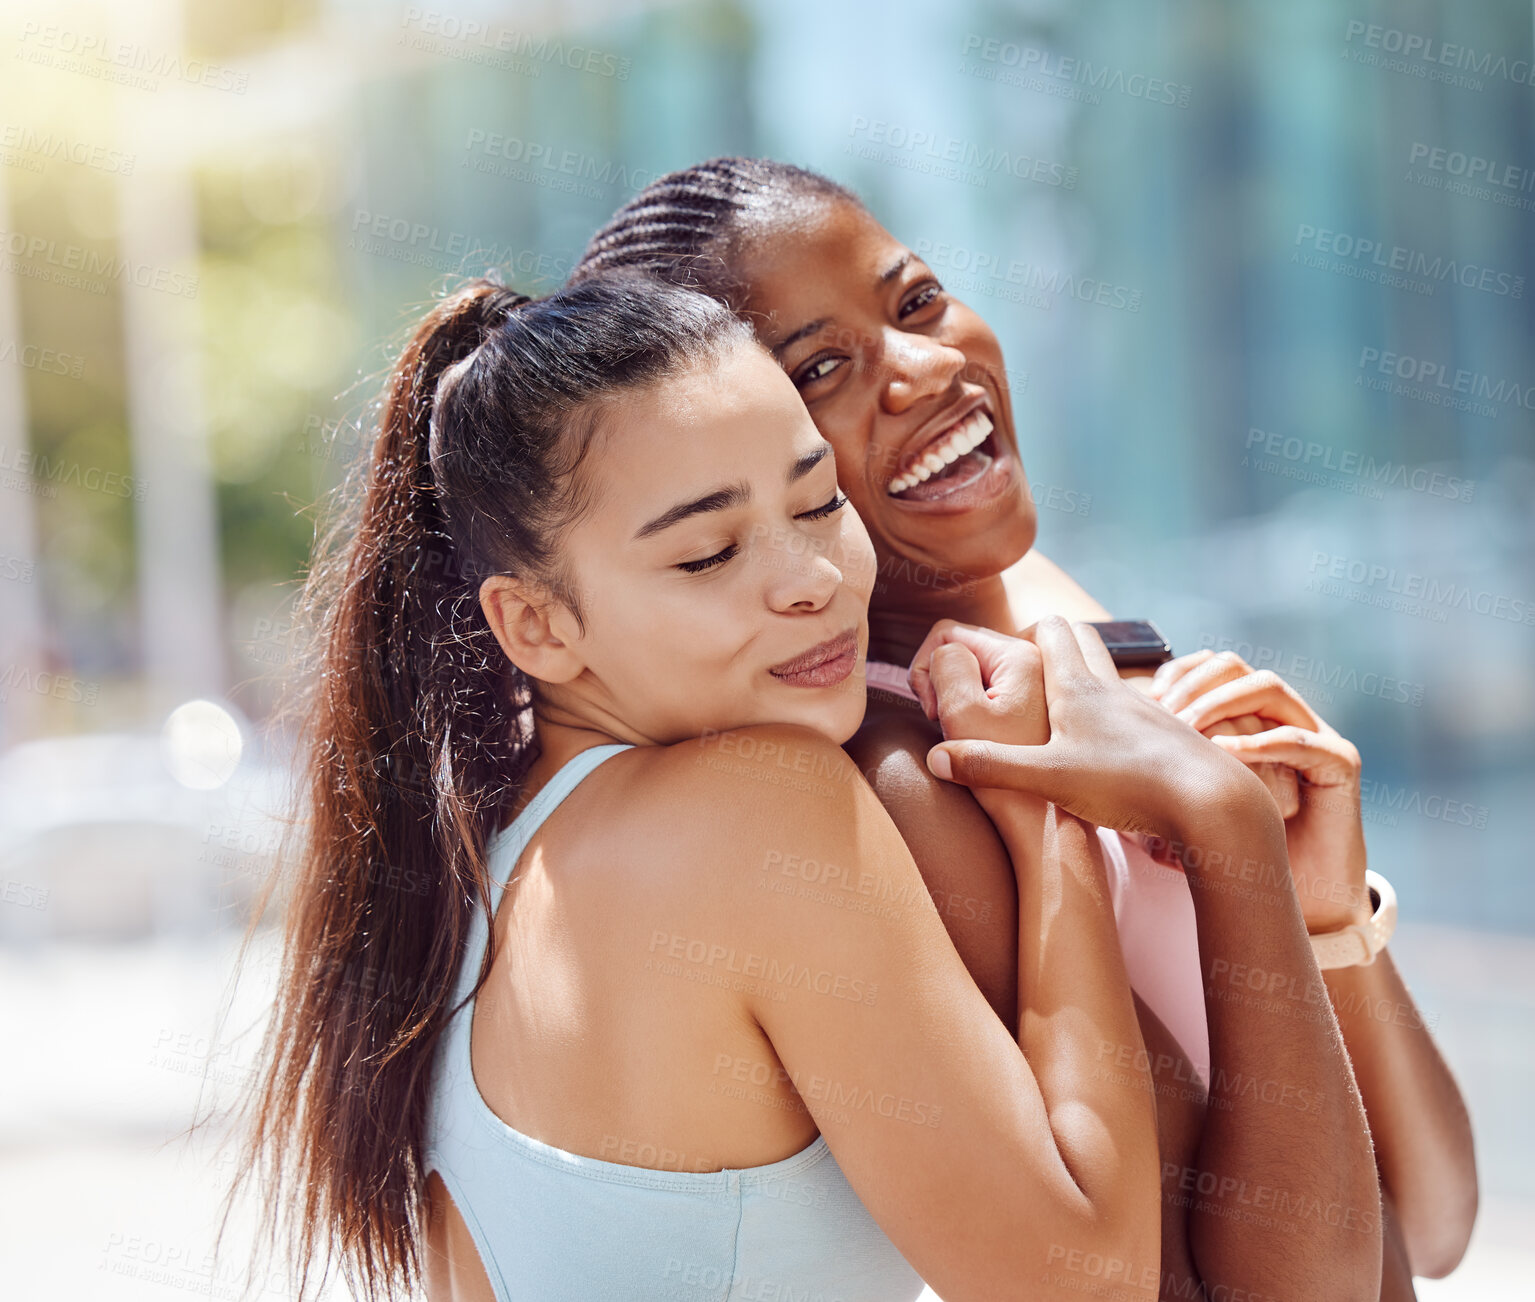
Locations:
(958, 459)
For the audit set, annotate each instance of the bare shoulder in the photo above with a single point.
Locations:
(696, 807)
(893, 741)
(1037, 586)
(890, 751)
(964, 863)
(762, 773)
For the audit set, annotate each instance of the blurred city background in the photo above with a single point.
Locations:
(1263, 274)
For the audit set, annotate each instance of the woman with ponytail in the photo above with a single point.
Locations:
(605, 974)
(909, 386)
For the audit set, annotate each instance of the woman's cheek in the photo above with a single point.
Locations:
(853, 452)
(859, 570)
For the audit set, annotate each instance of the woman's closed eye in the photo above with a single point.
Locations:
(708, 562)
(837, 502)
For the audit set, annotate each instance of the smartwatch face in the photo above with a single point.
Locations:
(1134, 643)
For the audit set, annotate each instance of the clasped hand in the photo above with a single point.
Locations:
(1046, 714)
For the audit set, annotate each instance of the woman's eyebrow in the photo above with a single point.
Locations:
(809, 328)
(805, 464)
(895, 268)
(723, 499)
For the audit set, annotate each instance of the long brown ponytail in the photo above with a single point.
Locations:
(418, 735)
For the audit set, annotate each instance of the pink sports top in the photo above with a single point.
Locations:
(1153, 911)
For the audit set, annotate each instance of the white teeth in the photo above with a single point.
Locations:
(969, 434)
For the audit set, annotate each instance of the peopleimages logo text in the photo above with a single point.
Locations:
(1394, 474)
(982, 267)
(471, 32)
(1294, 666)
(1472, 167)
(1422, 372)
(1447, 54)
(1444, 593)
(963, 154)
(1412, 262)
(1082, 72)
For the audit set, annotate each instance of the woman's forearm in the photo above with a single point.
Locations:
(1418, 1119)
(1284, 1197)
(1073, 998)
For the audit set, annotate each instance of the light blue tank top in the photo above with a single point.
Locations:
(555, 1225)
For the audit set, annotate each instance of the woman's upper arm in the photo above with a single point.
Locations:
(451, 1270)
(957, 850)
(926, 1101)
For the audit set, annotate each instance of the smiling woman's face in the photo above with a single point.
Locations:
(906, 383)
(724, 581)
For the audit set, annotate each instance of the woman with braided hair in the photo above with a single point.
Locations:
(606, 976)
(909, 387)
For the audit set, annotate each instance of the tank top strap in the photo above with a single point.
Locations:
(888, 677)
(501, 854)
(507, 845)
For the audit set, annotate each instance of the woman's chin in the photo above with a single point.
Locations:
(838, 719)
(836, 713)
(997, 548)
(843, 733)
(982, 542)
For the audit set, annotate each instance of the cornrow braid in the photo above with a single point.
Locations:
(685, 226)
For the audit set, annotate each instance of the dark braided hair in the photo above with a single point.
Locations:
(687, 226)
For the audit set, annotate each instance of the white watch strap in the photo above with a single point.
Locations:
(1359, 943)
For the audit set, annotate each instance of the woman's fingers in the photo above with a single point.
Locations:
(1065, 664)
(1010, 708)
(1280, 779)
(1172, 670)
(1283, 786)
(1323, 759)
(1220, 695)
(980, 641)
(1094, 653)
(1263, 693)
(1035, 770)
(1009, 667)
(1219, 667)
(958, 692)
(919, 673)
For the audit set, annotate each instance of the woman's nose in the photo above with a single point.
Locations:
(916, 367)
(801, 571)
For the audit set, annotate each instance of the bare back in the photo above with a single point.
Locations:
(611, 1024)
(599, 1030)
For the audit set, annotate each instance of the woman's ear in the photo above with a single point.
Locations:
(521, 616)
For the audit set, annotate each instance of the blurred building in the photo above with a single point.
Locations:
(1262, 274)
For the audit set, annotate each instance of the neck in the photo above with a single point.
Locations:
(561, 733)
(905, 615)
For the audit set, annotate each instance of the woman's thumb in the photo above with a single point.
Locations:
(992, 764)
